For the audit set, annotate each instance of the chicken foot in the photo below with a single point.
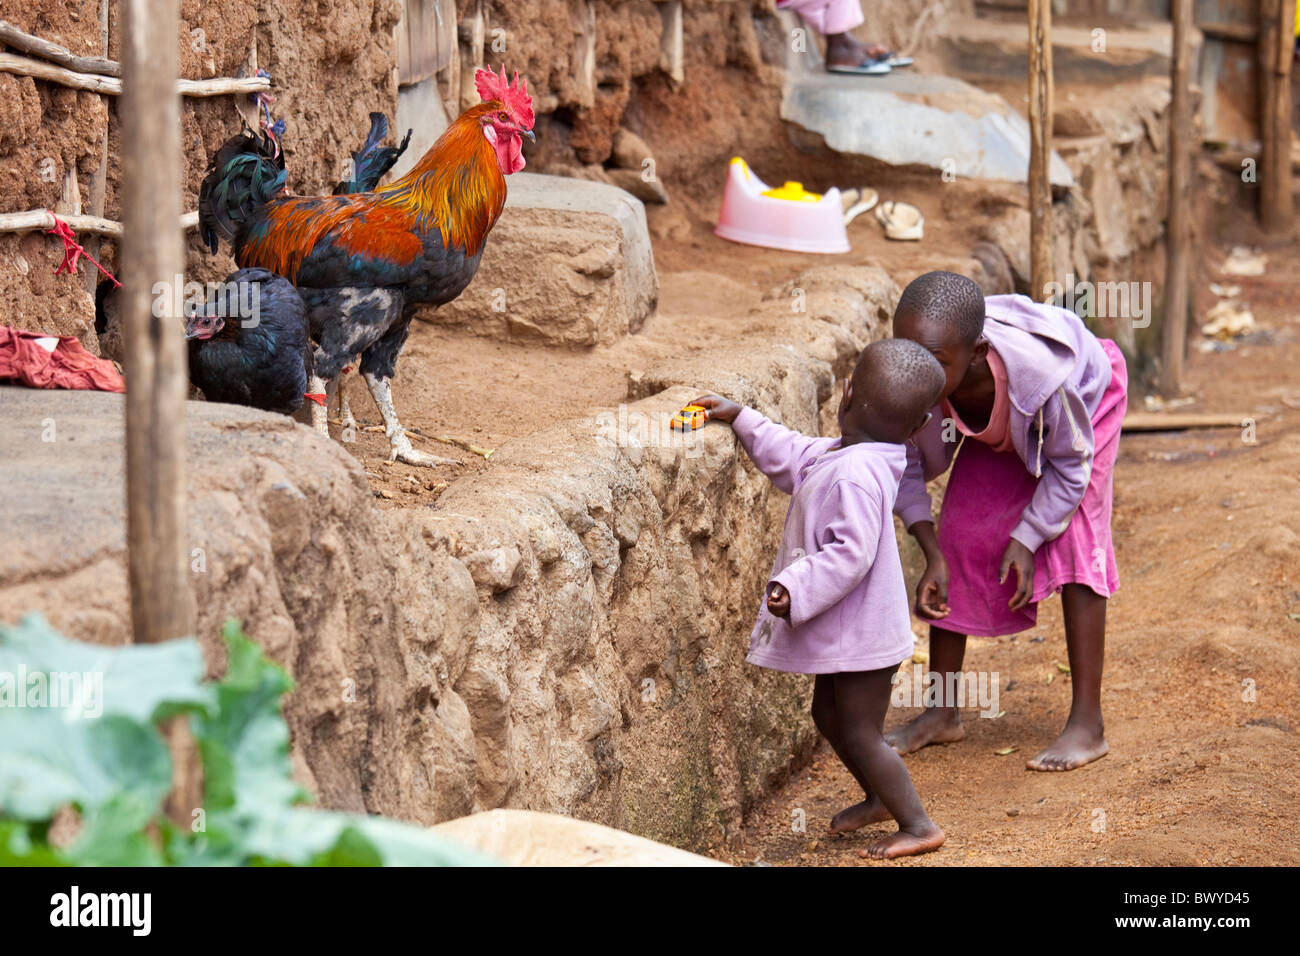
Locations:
(319, 414)
(402, 449)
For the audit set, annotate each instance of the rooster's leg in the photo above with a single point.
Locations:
(319, 414)
(397, 440)
(345, 418)
(345, 410)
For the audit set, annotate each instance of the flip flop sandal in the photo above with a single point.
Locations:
(901, 220)
(867, 67)
(857, 200)
(897, 59)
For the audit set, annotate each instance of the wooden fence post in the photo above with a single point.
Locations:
(1178, 241)
(151, 266)
(1276, 40)
(1040, 147)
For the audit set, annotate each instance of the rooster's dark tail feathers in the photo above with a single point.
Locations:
(247, 171)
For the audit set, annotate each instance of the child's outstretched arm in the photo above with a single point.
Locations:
(819, 581)
(776, 450)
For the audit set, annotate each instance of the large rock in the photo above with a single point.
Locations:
(908, 118)
(568, 263)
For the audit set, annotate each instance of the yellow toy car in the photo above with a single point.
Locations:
(688, 419)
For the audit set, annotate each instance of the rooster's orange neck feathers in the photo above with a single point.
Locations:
(457, 185)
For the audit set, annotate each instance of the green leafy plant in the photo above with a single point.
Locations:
(94, 755)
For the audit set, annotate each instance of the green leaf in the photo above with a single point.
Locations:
(76, 720)
(303, 836)
(144, 682)
(117, 769)
(17, 848)
(244, 741)
(352, 849)
(46, 763)
(113, 834)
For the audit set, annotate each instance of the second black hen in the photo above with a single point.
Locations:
(249, 345)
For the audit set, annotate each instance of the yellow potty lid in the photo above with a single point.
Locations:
(793, 192)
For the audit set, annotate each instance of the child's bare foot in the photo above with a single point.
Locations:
(1075, 747)
(904, 843)
(935, 725)
(859, 815)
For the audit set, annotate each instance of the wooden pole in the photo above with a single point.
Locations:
(1178, 240)
(155, 357)
(1276, 38)
(99, 181)
(1040, 147)
(152, 264)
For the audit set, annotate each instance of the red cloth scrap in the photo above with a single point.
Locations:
(54, 361)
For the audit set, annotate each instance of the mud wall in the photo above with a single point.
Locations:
(330, 63)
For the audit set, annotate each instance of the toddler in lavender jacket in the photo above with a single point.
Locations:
(836, 605)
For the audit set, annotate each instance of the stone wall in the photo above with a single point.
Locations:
(564, 632)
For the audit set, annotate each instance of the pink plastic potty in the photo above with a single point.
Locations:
(785, 218)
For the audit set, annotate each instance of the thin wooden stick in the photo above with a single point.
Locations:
(1180, 421)
(112, 86)
(99, 180)
(1178, 240)
(95, 225)
(1040, 147)
(11, 35)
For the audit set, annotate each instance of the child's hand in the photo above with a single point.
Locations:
(932, 590)
(778, 599)
(1020, 559)
(717, 408)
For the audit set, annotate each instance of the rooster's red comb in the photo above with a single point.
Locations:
(514, 95)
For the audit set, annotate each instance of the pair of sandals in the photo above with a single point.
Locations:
(900, 220)
(874, 65)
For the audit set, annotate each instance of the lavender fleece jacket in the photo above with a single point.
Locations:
(838, 556)
(1057, 372)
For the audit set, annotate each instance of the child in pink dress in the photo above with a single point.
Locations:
(836, 604)
(1036, 403)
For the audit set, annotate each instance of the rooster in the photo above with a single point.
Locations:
(364, 262)
(249, 345)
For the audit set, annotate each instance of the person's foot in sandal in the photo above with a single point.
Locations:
(846, 53)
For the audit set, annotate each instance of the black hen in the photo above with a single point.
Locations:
(371, 161)
(246, 172)
(249, 345)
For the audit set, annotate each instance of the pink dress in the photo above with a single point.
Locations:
(826, 16)
(987, 493)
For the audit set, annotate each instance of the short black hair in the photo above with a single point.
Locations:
(899, 377)
(948, 298)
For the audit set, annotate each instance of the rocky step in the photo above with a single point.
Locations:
(1084, 50)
